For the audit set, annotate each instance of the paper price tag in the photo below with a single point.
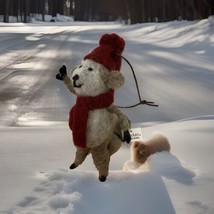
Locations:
(136, 134)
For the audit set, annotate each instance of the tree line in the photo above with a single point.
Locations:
(24, 9)
(130, 11)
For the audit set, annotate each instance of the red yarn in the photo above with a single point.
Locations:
(79, 114)
(108, 52)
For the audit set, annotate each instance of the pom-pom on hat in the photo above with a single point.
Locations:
(109, 51)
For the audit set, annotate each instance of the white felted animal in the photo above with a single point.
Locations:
(97, 125)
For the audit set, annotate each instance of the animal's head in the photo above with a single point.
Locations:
(140, 152)
(91, 79)
(100, 69)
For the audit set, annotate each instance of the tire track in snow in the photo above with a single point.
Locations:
(18, 100)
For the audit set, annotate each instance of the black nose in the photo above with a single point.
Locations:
(75, 77)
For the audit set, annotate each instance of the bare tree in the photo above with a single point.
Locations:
(136, 11)
(6, 6)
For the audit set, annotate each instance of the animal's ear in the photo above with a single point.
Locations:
(113, 79)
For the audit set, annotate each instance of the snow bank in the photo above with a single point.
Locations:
(81, 192)
(34, 164)
(166, 165)
(38, 18)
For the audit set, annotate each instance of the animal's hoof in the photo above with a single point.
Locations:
(73, 166)
(102, 178)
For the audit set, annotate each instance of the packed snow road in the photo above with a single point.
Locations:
(28, 66)
(30, 57)
(174, 69)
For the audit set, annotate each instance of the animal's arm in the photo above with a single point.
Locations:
(123, 119)
(68, 84)
(62, 76)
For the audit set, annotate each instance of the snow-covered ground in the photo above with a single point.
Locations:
(175, 69)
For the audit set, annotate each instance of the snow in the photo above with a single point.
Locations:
(79, 192)
(174, 65)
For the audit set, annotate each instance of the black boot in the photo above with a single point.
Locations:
(102, 178)
(73, 166)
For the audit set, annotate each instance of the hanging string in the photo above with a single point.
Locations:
(141, 102)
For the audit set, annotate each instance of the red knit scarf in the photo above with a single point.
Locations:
(79, 114)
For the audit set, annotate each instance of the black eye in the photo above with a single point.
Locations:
(90, 69)
(80, 66)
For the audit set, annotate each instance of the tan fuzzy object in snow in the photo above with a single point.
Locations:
(141, 150)
(97, 125)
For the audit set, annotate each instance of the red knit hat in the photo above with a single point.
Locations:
(108, 52)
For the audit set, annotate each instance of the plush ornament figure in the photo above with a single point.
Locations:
(141, 150)
(98, 127)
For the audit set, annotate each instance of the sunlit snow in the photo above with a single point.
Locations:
(174, 66)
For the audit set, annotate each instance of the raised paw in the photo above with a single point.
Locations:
(62, 73)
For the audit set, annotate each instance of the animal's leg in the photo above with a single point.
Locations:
(101, 160)
(80, 157)
(114, 144)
